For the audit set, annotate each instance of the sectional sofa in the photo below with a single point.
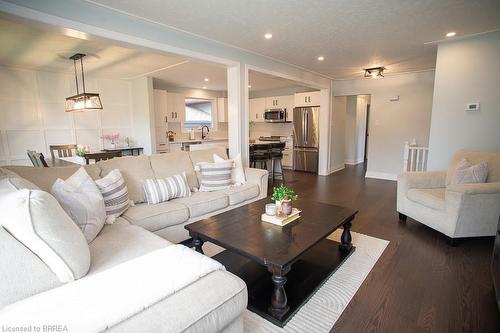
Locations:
(126, 257)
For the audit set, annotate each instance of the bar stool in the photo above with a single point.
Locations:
(276, 156)
(260, 155)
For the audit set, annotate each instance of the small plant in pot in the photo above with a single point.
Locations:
(283, 197)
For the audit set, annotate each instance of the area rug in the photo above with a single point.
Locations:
(321, 312)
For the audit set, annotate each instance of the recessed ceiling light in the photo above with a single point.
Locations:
(249, 86)
(268, 36)
(204, 87)
(206, 79)
(321, 58)
(451, 34)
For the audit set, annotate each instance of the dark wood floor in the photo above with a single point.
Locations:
(420, 284)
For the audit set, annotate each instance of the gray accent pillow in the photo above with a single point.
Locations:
(82, 200)
(36, 219)
(466, 173)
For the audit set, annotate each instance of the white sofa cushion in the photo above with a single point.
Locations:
(134, 169)
(120, 242)
(430, 197)
(36, 219)
(201, 203)
(82, 200)
(115, 194)
(167, 165)
(238, 194)
(161, 190)
(156, 217)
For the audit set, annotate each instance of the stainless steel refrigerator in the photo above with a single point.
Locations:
(306, 139)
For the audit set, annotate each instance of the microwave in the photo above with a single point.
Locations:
(275, 115)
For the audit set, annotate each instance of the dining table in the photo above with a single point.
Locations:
(66, 161)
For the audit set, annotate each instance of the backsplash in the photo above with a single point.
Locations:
(268, 129)
(179, 135)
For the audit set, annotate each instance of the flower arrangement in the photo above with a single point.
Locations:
(111, 138)
(283, 193)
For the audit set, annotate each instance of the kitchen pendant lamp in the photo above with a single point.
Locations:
(82, 101)
(374, 72)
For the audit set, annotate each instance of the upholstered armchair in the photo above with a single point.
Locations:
(456, 210)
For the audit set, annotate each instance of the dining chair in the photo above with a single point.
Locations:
(62, 150)
(105, 155)
(37, 159)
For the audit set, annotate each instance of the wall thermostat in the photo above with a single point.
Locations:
(473, 107)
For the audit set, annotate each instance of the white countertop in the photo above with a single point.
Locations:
(198, 140)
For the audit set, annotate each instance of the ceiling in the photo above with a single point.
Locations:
(30, 47)
(350, 34)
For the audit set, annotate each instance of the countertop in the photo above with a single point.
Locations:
(198, 140)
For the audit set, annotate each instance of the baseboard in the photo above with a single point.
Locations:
(381, 175)
(353, 162)
(336, 168)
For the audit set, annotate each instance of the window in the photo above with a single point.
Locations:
(199, 112)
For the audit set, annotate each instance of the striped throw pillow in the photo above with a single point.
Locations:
(215, 176)
(115, 194)
(160, 190)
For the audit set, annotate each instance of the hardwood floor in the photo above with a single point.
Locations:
(420, 284)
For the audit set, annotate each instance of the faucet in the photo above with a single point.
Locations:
(203, 135)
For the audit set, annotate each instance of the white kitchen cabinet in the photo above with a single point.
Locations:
(176, 107)
(256, 109)
(288, 103)
(287, 160)
(222, 111)
(160, 107)
(307, 99)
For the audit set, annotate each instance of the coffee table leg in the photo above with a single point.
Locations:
(345, 239)
(278, 298)
(198, 243)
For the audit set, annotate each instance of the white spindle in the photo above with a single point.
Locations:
(415, 158)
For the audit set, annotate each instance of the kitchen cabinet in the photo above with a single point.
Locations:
(307, 99)
(287, 160)
(256, 109)
(222, 111)
(160, 107)
(176, 107)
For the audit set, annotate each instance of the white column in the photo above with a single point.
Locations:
(237, 101)
(324, 132)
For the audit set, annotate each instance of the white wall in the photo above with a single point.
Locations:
(32, 115)
(466, 71)
(143, 113)
(337, 144)
(350, 130)
(393, 123)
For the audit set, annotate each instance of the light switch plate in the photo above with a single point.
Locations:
(472, 107)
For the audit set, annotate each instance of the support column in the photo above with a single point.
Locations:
(237, 101)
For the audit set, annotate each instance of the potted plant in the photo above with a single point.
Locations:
(80, 152)
(285, 195)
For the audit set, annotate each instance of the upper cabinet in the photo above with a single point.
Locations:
(160, 107)
(176, 107)
(307, 99)
(222, 110)
(256, 109)
(277, 102)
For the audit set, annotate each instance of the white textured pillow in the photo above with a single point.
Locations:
(466, 173)
(160, 190)
(82, 200)
(237, 173)
(115, 194)
(35, 219)
(215, 176)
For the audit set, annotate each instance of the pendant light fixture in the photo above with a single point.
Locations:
(82, 101)
(374, 72)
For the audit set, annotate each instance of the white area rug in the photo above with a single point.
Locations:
(321, 312)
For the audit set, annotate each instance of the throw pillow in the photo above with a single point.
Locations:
(82, 200)
(215, 176)
(36, 220)
(466, 173)
(160, 190)
(115, 194)
(238, 172)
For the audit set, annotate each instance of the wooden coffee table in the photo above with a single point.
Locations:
(267, 256)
